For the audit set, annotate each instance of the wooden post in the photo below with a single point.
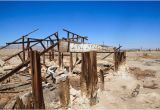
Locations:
(28, 45)
(52, 51)
(23, 48)
(62, 63)
(59, 59)
(68, 35)
(44, 59)
(64, 93)
(71, 61)
(101, 80)
(50, 56)
(115, 60)
(89, 76)
(73, 37)
(36, 80)
(124, 56)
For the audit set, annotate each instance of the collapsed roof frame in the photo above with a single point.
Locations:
(29, 47)
(25, 61)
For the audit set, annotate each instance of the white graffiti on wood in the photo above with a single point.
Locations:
(89, 47)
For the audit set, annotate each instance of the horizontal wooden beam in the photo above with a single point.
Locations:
(19, 39)
(27, 48)
(25, 63)
(86, 38)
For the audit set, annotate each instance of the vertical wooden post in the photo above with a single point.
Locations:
(36, 80)
(47, 44)
(93, 78)
(28, 45)
(77, 38)
(59, 59)
(73, 37)
(89, 76)
(68, 35)
(44, 59)
(84, 74)
(64, 93)
(101, 80)
(50, 57)
(23, 48)
(52, 52)
(124, 56)
(115, 60)
(71, 61)
(83, 40)
(62, 63)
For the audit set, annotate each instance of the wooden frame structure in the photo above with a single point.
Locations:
(49, 46)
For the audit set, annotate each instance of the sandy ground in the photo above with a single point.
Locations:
(136, 85)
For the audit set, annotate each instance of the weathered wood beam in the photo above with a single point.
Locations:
(24, 64)
(36, 80)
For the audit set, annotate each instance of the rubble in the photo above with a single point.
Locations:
(1, 63)
(58, 76)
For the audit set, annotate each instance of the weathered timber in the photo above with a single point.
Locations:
(14, 70)
(12, 86)
(110, 53)
(59, 59)
(36, 80)
(101, 80)
(64, 93)
(24, 64)
(55, 34)
(89, 76)
(71, 62)
(19, 39)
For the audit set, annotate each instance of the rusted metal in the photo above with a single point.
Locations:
(36, 80)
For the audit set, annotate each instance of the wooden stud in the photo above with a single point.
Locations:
(36, 80)
(89, 78)
(23, 48)
(64, 93)
(101, 80)
(71, 62)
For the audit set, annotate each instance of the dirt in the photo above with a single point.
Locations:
(136, 85)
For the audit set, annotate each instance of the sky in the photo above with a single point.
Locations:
(130, 24)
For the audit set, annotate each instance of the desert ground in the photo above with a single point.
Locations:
(136, 85)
